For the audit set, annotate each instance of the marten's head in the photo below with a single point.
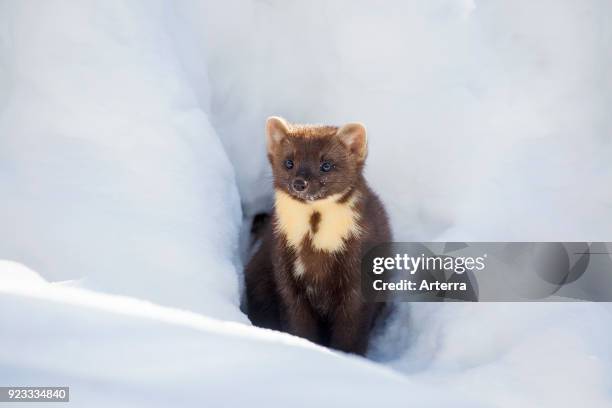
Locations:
(315, 162)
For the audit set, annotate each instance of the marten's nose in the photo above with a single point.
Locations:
(299, 184)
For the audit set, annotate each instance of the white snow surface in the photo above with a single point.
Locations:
(108, 156)
(119, 351)
(132, 148)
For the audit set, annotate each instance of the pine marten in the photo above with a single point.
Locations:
(305, 276)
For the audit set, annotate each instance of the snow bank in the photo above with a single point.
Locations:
(506, 354)
(110, 170)
(491, 117)
(118, 351)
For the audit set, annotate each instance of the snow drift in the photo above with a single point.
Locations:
(111, 172)
(492, 117)
(127, 130)
(137, 354)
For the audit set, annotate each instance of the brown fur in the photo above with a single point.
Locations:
(305, 277)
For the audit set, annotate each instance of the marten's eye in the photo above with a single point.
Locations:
(326, 166)
(289, 164)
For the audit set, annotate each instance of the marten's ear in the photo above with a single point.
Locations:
(276, 131)
(354, 137)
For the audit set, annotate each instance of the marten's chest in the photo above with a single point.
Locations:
(324, 225)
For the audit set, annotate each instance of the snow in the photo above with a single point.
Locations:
(486, 120)
(105, 150)
(506, 354)
(119, 351)
(132, 155)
